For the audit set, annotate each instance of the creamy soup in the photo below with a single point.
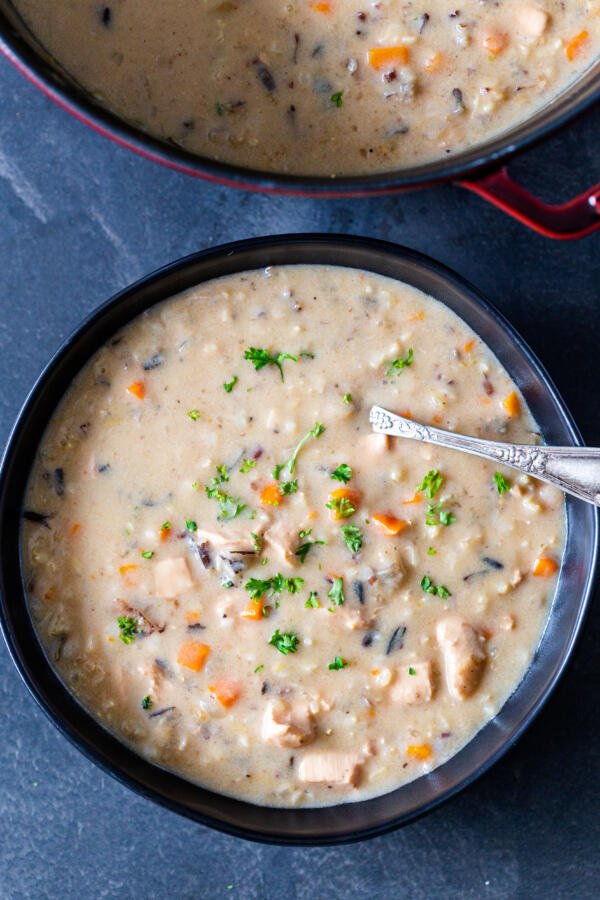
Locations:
(249, 587)
(321, 88)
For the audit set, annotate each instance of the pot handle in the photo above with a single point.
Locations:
(567, 221)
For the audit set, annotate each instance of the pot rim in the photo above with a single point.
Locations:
(49, 691)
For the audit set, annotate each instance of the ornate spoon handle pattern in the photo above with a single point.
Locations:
(575, 470)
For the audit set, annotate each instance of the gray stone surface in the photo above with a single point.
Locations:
(81, 218)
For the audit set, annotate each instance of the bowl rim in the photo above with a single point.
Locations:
(33, 61)
(21, 655)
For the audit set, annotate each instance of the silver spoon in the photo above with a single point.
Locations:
(575, 470)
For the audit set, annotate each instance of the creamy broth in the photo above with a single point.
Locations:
(247, 586)
(321, 88)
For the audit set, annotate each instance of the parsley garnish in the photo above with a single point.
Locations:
(229, 385)
(397, 365)
(315, 432)
(443, 516)
(438, 590)
(342, 506)
(502, 483)
(353, 537)
(347, 398)
(258, 587)
(166, 526)
(258, 669)
(259, 357)
(246, 465)
(343, 473)
(431, 552)
(194, 414)
(303, 550)
(288, 487)
(128, 628)
(336, 594)
(411, 671)
(147, 554)
(147, 702)
(191, 525)
(338, 663)
(431, 483)
(258, 541)
(313, 601)
(285, 643)
(337, 98)
(230, 507)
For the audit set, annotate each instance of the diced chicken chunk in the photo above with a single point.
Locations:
(464, 656)
(415, 684)
(288, 724)
(172, 577)
(531, 21)
(375, 444)
(284, 541)
(232, 541)
(330, 767)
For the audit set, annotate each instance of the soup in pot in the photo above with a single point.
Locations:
(247, 586)
(320, 88)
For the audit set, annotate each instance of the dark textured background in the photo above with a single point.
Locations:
(79, 219)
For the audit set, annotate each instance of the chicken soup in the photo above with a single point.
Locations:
(248, 587)
(320, 88)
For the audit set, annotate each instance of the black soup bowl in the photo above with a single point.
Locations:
(349, 821)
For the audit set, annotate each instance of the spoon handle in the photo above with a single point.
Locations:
(575, 470)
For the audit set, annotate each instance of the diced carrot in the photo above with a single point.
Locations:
(380, 57)
(545, 566)
(512, 404)
(419, 751)
(437, 420)
(254, 610)
(270, 494)
(469, 346)
(496, 42)
(434, 63)
(192, 617)
(416, 499)
(390, 524)
(416, 317)
(226, 692)
(406, 413)
(74, 529)
(344, 493)
(164, 532)
(322, 6)
(313, 514)
(138, 389)
(127, 574)
(128, 568)
(575, 45)
(192, 654)
(375, 671)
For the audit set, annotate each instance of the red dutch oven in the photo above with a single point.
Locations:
(481, 169)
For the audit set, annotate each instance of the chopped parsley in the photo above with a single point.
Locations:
(336, 594)
(315, 432)
(147, 554)
(338, 663)
(431, 483)
(258, 587)
(502, 483)
(313, 601)
(191, 525)
(396, 366)
(343, 473)
(258, 669)
(285, 643)
(229, 385)
(438, 590)
(411, 671)
(166, 526)
(246, 465)
(353, 537)
(230, 507)
(147, 702)
(128, 628)
(303, 550)
(347, 398)
(337, 99)
(431, 552)
(194, 414)
(342, 506)
(288, 487)
(258, 541)
(444, 517)
(259, 357)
